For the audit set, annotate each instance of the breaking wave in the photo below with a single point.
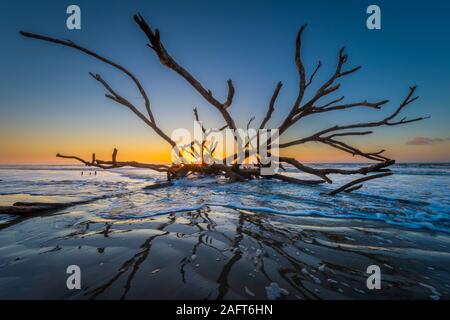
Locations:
(416, 197)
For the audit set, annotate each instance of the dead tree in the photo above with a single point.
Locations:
(300, 110)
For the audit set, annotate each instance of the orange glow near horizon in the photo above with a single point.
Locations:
(160, 152)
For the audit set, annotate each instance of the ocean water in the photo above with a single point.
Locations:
(417, 196)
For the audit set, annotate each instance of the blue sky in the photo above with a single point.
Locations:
(49, 102)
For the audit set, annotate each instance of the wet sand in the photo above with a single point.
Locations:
(218, 253)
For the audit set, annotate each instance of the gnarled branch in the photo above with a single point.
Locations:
(167, 60)
(271, 108)
(347, 187)
(113, 95)
(102, 164)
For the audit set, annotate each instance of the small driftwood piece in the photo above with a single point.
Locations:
(158, 185)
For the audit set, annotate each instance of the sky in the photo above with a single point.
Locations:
(49, 103)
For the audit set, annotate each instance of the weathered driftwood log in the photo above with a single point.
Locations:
(30, 208)
(300, 109)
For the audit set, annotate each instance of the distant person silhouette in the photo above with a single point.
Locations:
(95, 173)
(81, 173)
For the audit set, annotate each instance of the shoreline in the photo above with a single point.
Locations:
(208, 254)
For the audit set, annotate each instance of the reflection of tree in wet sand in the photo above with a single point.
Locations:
(222, 280)
(134, 263)
(278, 253)
(205, 225)
(202, 238)
(268, 241)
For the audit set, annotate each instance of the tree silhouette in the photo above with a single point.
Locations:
(301, 109)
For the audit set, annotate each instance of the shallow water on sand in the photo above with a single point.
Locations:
(202, 238)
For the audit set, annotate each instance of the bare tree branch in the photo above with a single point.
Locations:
(271, 108)
(295, 180)
(114, 96)
(374, 105)
(297, 111)
(71, 44)
(250, 122)
(346, 187)
(311, 78)
(165, 59)
(386, 121)
(117, 164)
